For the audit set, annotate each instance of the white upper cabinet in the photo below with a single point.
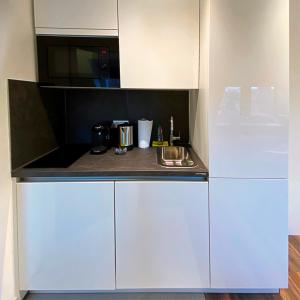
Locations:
(76, 17)
(162, 235)
(159, 44)
(249, 88)
(66, 236)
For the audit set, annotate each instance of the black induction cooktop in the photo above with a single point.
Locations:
(62, 157)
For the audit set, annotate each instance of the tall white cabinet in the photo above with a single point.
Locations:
(159, 44)
(162, 235)
(244, 100)
(66, 236)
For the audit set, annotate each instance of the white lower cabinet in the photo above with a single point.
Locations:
(162, 235)
(249, 233)
(66, 236)
(70, 235)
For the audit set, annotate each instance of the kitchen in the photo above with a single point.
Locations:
(137, 217)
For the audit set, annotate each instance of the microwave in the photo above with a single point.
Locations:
(78, 61)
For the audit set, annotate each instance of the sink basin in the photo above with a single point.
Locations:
(176, 157)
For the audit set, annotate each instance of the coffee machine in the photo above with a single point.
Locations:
(101, 138)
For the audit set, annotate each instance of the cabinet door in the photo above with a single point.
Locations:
(159, 43)
(248, 111)
(162, 236)
(249, 233)
(75, 16)
(66, 236)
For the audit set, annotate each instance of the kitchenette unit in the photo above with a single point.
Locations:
(152, 153)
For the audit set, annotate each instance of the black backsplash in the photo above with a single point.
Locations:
(36, 121)
(87, 107)
(42, 119)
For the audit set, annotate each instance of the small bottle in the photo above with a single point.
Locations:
(160, 136)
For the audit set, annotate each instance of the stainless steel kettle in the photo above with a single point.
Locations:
(126, 136)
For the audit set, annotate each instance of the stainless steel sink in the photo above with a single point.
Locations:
(175, 157)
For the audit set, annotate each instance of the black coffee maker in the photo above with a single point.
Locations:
(101, 138)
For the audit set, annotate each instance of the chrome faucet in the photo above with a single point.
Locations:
(172, 137)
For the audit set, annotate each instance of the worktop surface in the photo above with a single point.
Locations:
(135, 164)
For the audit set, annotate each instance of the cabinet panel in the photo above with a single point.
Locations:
(249, 89)
(76, 14)
(159, 43)
(249, 233)
(66, 236)
(162, 235)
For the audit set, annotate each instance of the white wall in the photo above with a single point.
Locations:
(17, 60)
(294, 154)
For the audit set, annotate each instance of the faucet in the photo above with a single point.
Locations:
(172, 137)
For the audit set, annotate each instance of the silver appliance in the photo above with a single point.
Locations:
(125, 136)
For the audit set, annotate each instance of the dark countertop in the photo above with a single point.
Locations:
(137, 164)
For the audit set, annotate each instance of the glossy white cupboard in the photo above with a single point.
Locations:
(66, 236)
(249, 233)
(248, 88)
(75, 17)
(162, 235)
(159, 44)
(239, 120)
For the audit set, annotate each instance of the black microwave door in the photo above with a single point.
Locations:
(59, 67)
(53, 61)
(94, 66)
(84, 65)
(114, 67)
(79, 61)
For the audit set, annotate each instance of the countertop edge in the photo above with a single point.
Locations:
(199, 173)
(113, 176)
